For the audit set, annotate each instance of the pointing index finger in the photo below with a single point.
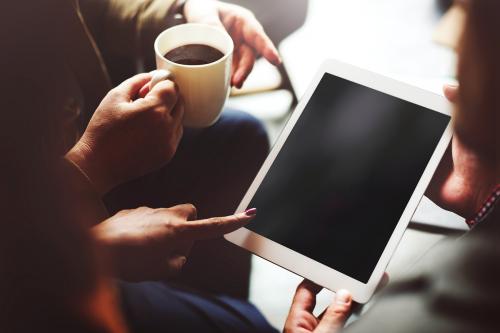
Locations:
(216, 226)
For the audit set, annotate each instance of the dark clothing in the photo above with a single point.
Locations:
(456, 289)
(212, 169)
(156, 307)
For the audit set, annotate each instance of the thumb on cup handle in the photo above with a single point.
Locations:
(158, 76)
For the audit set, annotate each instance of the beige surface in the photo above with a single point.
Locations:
(450, 27)
(390, 37)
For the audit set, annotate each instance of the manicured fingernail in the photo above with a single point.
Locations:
(342, 297)
(251, 212)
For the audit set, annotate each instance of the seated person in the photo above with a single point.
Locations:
(456, 288)
(196, 174)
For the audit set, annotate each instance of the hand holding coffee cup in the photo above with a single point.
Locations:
(198, 58)
(141, 127)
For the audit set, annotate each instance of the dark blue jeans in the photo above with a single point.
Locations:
(212, 169)
(156, 307)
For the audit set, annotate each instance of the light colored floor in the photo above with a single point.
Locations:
(272, 287)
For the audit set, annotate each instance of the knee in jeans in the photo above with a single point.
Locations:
(252, 131)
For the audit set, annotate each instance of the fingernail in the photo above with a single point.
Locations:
(237, 80)
(342, 297)
(251, 212)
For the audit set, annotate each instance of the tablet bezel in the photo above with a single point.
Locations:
(305, 266)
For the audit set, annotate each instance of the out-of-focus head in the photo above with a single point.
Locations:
(478, 116)
(50, 279)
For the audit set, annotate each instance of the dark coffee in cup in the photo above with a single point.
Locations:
(205, 85)
(194, 54)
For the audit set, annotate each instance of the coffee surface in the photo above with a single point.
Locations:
(194, 54)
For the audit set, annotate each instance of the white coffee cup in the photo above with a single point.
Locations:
(204, 88)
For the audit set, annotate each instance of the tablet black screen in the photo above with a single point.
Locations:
(345, 174)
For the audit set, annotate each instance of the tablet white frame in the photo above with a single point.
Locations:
(307, 267)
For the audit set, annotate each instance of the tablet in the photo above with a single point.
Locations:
(342, 182)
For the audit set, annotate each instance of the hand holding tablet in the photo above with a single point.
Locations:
(341, 184)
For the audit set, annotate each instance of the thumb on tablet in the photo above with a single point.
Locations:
(336, 315)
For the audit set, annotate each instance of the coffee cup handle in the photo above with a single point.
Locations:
(158, 76)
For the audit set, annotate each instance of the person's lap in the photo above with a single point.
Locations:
(212, 169)
(159, 307)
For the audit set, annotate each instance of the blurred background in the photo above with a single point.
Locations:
(409, 40)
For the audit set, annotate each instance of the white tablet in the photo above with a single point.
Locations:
(338, 189)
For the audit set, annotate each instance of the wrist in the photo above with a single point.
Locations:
(81, 157)
(83, 197)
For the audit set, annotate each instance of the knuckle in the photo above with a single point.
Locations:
(163, 211)
(192, 209)
(175, 210)
(114, 93)
(159, 111)
(185, 211)
(339, 310)
(167, 88)
(235, 219)
(174, 225)
(216, 221)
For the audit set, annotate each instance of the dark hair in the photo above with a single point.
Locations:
(478, 117)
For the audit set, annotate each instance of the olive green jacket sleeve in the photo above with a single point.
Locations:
(125, 29)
